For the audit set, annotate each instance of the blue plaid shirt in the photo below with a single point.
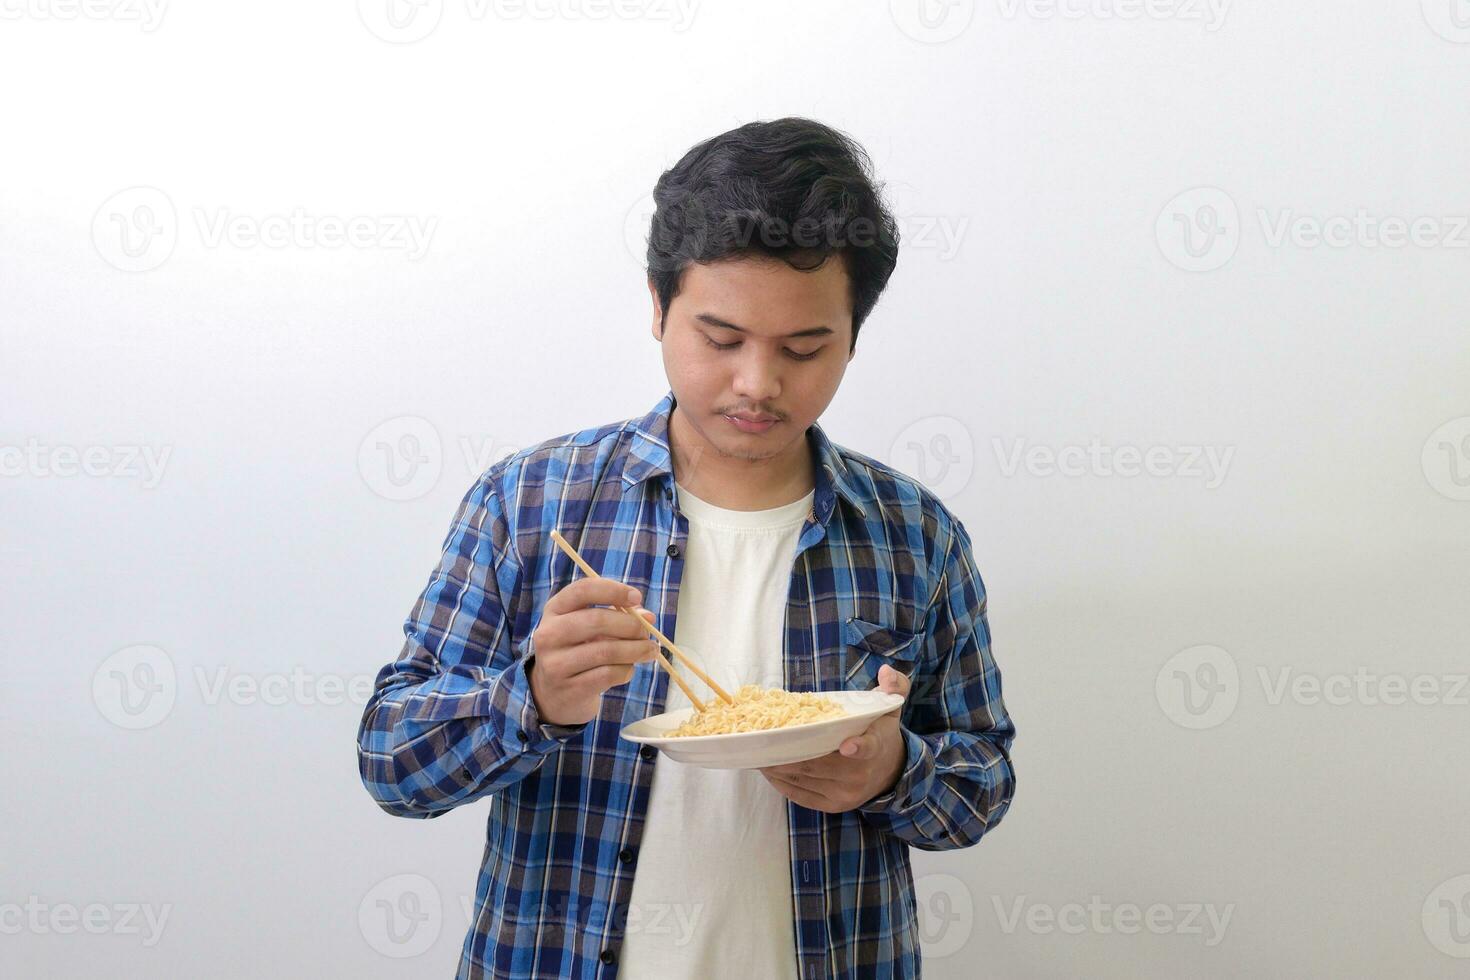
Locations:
(883, 574)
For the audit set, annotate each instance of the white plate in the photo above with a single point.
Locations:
(770, 747)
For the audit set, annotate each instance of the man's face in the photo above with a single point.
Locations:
(753, 337)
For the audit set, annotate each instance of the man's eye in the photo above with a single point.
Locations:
(794, 355)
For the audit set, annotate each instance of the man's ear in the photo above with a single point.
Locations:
(658, 312)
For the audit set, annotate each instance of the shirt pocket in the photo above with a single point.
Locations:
(870, 645)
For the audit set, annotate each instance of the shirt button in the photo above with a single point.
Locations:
(464, 774)
(673, 551)
(626, 855)
(523, 736)
(608, 957)
(647, 752)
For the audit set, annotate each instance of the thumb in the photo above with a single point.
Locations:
(893, 681)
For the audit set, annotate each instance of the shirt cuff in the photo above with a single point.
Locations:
(523, 722)
(913, 782)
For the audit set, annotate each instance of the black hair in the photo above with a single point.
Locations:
(792, 189)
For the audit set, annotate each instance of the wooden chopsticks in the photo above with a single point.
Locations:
(571, 553)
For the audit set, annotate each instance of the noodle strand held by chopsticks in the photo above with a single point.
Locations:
(756, 709)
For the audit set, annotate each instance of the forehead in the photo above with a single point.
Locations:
(768, 297)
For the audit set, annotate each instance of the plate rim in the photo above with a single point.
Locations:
(875, 711)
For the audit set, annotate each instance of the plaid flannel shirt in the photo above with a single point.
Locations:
(883, 574)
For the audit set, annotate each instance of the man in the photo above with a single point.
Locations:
(765, 551)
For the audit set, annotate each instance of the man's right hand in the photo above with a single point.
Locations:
(581, 650)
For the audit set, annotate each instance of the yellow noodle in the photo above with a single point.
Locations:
(756, 709)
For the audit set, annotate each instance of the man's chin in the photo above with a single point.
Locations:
(730, 443)
(752, 448)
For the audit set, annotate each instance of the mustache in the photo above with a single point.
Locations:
(753, 411)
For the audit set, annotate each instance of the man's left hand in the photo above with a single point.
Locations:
(864, 766)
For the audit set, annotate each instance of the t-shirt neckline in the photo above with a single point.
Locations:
(705, 513)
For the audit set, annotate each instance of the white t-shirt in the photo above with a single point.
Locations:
(712, 887)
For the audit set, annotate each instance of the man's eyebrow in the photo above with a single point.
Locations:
(715, 321)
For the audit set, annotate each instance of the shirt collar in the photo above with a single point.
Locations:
(649, 458)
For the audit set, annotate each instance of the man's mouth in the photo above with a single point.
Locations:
(752, 423)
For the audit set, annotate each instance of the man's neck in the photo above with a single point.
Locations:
(736, 483)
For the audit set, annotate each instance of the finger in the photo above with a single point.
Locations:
(604, 653)
(826, 768)
(860, 747)
(602, 678)
(592, 592)
(894, 681)
(803, 796)
(585, 625)
(891, 680)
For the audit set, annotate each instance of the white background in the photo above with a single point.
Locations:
(1045, 298)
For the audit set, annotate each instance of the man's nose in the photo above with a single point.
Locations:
(758, 375)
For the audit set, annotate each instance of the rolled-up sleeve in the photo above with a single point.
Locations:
(453, 719)
(957, 780)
